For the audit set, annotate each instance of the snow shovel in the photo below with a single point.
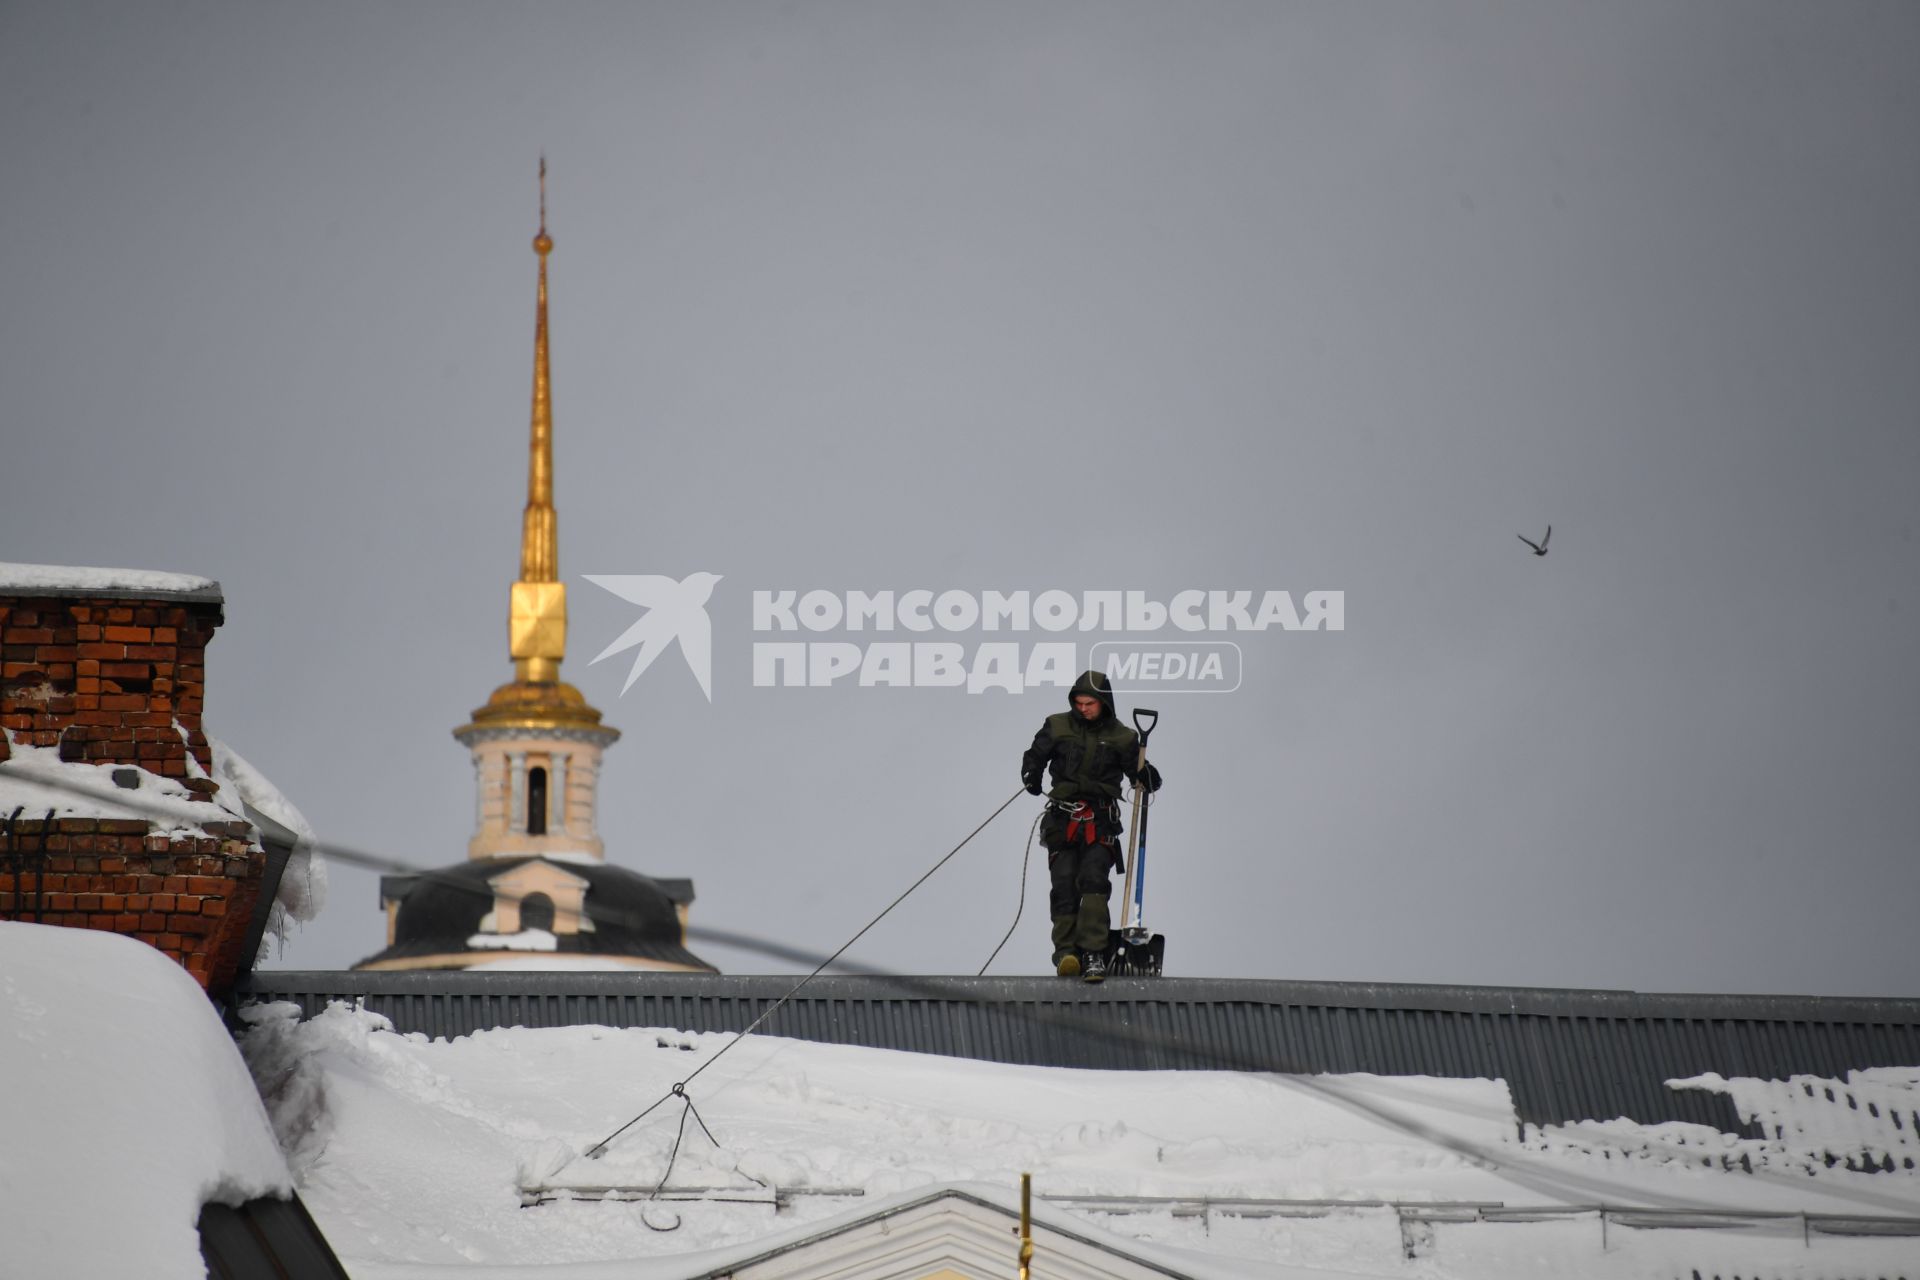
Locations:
(1137, 951)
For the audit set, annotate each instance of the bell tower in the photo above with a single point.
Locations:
(536, 890)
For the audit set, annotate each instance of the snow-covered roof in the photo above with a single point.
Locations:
(1567, 1055)
(418, 1154)
(67, 579)
(125, 1108)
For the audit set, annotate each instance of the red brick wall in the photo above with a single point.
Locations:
(105, 680)
(191, 898)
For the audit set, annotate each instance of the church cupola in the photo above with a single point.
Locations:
(536, 889)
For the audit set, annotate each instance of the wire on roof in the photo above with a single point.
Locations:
(1569, 1187)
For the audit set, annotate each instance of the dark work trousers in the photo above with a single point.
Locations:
(1081, 885)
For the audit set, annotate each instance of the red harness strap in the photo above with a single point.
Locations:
(1081, 825)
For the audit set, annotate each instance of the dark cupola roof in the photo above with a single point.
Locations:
(626, 914)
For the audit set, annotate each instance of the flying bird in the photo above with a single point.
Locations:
(674, 611)
(1540, 547)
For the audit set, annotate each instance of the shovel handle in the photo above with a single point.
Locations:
(1145, 730)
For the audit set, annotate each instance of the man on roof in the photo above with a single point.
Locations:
(1088, 750)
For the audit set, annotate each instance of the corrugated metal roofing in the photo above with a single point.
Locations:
(265, 1237)
(1566, 1055)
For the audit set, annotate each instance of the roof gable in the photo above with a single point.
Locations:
(943, 1233)
(537, 876)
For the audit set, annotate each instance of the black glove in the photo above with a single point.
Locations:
(1033, 783)
(1149, 780)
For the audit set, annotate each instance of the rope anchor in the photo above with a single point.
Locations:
(680, 1092)
(599, 1148)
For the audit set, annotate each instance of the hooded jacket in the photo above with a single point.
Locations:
(1088, 757)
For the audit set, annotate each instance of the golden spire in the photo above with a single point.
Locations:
(537, 624)
(537, 699)
(540, 534)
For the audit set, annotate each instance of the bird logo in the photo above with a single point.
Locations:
(1540, 547)
(674, 611)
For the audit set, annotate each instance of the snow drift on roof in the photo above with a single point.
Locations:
(414, 1154)
(125, 1108)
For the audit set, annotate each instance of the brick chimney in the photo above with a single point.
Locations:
(108, 815)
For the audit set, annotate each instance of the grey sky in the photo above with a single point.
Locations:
(1026, 296)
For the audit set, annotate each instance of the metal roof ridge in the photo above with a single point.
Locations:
(1548, 1001)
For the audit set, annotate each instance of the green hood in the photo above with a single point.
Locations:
(1095, 683)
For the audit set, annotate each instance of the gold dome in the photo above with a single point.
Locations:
(528, 704)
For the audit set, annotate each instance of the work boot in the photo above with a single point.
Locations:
(1066, 960)
(1094, 968)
